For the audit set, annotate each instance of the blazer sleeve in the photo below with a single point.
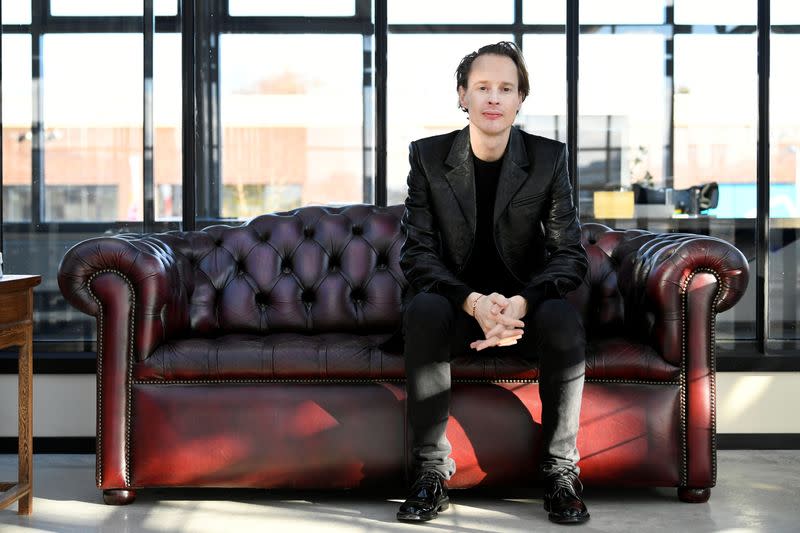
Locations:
(567, 262)
(420, 255)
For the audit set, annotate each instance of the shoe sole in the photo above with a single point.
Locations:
(572, 520)
(410, 517)
(565, 520)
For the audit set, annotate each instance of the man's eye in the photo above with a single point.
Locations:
(481, 88)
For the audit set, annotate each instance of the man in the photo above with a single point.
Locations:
(493, 245)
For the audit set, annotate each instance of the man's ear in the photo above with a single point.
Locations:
(461, 96)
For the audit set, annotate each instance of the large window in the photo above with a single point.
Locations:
(287, 111)
(784, 180)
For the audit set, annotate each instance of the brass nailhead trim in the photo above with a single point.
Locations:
(128, 408)
(712, 378)
(375, 380)
(99, 401)
(713, 381)
(683, 401)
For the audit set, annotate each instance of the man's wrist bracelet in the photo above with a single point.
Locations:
(475, 303)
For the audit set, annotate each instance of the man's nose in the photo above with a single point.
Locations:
(494, 95)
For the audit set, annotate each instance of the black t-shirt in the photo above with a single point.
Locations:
(485, 271)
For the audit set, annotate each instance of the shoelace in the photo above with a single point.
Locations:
(562, 480)
(428, 481)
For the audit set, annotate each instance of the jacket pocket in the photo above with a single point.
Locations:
(529, 199)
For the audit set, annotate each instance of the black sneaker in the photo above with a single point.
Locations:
(427, 498)
(562, 498)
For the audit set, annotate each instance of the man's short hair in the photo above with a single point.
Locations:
(503, 48)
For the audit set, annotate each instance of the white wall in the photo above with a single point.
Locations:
(63, 405)
(747, 402)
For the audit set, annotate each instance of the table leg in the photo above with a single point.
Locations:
(25, 505)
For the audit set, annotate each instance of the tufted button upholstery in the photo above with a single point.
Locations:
(637, 280)
(290, 266)
(323, 269)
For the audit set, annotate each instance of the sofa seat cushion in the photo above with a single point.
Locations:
(619, 358)
(349, 356)
(275, 356)
(606, 359)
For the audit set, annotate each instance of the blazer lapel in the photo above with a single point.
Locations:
(513, 173)
(461, 177)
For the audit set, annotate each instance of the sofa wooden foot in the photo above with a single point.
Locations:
(690, 495)
(119, 496)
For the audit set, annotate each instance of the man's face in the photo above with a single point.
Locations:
(492, 95)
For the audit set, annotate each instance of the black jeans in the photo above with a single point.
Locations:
(435, 332)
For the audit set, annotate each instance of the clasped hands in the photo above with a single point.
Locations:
(499, 318)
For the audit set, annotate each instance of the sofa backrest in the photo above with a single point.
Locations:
(599, 299)
(613, 298)
(336, 269)
(313, 269)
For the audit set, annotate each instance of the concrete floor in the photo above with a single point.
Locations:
(757, 491)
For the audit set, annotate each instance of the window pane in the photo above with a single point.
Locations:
(716, 118)
(544, 11)
(716, 12)
(282, 8)
(98, 8)
(36, 252)
(595, 12)
(715, 136)
(622, 12)
(80, 202)
(421, 95)
(16, 11)
(784, 288)
(17, 138)
(623, 115)
(93, 125)
(545, 109)
(784, 12)
(450, 12)
(293, 127)
(168, 150)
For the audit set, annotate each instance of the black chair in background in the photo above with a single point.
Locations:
(695, 200)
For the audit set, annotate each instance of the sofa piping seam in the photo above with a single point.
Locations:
(99, 396)
(99, 403)
(378, 380)
(712, 377)
(683, 400)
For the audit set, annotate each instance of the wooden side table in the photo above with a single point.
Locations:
(16, 329)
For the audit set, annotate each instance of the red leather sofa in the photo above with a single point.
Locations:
(261, 356)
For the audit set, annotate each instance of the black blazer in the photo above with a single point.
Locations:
(535, 222)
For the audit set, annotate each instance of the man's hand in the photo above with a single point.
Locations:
(499, 318)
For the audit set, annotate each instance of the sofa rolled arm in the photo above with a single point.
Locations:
(655, 273)
(157, 278)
